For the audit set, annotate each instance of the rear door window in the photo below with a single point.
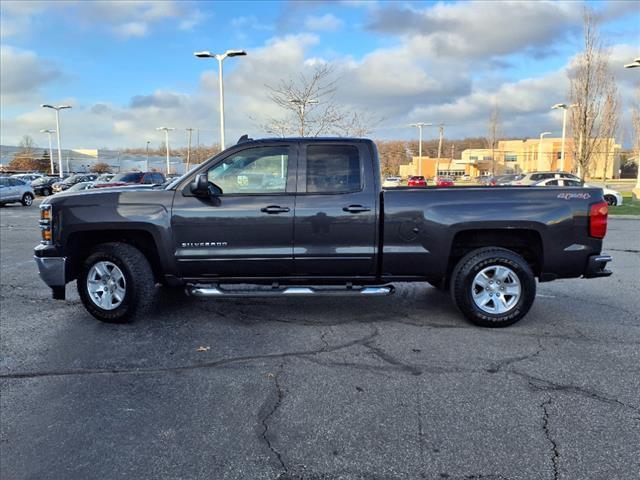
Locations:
(333, 169)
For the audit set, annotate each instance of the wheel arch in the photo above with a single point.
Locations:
(80, 243)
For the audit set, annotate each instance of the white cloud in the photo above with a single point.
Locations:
(479, 28)
(22, 75)
(131, 29)
(324, 23)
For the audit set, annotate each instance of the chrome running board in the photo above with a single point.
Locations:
(200, 290)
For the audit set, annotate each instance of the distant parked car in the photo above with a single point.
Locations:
(392, 182)
(535, 177)
(14, 190)
(465, 177)
(134, 178)
(612, 197)
(508, 179)
(80, 186)
(72, 180)
(417, 181)
(444, 182)
(44, 185)
(27, 177)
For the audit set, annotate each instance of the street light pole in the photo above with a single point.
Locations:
(564, 108)
(49, 132)
(190, 130)
(57, 109)
(636, 189)
(302, 104)
(220, 57)
(419, 126)
(147, 167)
(166, 142)
(542, 135)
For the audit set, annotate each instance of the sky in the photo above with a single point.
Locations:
(127, 67)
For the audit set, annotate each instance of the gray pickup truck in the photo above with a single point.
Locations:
(308, 216)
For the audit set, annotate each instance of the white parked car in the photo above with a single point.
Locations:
(612, 197)
(79, 187)
(13, 190)
(27, 177)
(392, 182)
(535, 177)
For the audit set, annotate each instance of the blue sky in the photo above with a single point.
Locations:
(128, 67)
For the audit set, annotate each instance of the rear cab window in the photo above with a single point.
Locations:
(333, 169)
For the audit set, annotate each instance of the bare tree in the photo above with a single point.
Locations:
(311, 109)
(494, 135)
(609, 124)
(589, 81)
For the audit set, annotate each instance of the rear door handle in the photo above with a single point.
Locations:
(275, 209)
(356, 209)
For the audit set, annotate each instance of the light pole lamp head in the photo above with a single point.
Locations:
(543, 134)
(564, 106)
(58, 107)
(235, 53)
(47, 130)
(204, 54)
(634, 64)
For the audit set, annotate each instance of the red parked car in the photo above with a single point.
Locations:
(444, 182)
(133, 178)
(416, 181)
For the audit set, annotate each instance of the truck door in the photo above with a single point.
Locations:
(246, 231)
(336, 211)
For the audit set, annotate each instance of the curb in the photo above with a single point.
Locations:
(625, 217)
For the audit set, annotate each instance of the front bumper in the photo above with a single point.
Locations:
(596, 266)
(52, 270)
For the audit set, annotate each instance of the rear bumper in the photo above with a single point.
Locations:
(596, 266)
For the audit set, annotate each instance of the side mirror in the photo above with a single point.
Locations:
(200, 185)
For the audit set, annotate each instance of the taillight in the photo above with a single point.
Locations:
(598, 213)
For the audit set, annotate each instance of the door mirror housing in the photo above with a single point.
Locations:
(202, 187)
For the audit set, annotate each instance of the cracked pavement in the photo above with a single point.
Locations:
(341, 388)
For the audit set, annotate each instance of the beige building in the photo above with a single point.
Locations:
(519, 156)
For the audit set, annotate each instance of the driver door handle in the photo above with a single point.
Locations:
(356, 209)
(275, 209)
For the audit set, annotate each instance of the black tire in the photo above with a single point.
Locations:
(472, 264)
(140, 293)
(27, 200)
(611, 200)
(46, 192)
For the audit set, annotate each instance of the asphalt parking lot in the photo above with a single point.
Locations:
(384, 388)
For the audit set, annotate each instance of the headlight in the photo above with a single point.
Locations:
(46, 224)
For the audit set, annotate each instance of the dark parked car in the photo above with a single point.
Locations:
(133, 178)
(44, 185)
(309, 217)
(72, 180)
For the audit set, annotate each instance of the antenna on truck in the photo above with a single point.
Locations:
(243, 139)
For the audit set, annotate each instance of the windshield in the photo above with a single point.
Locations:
(72, 179)
(41, 181)
(131, 177)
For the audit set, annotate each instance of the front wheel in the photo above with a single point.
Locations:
(493, 287)
(611, 200)
(46, 192)
(27, 200)
(116, 283)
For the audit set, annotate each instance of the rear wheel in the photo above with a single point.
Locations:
(46, 192)
(611, 200)
(27, 200)
(493, 287)
(116, 283)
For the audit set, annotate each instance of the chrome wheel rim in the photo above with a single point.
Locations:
(106, 285)
(496, 289)
(28, 200)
